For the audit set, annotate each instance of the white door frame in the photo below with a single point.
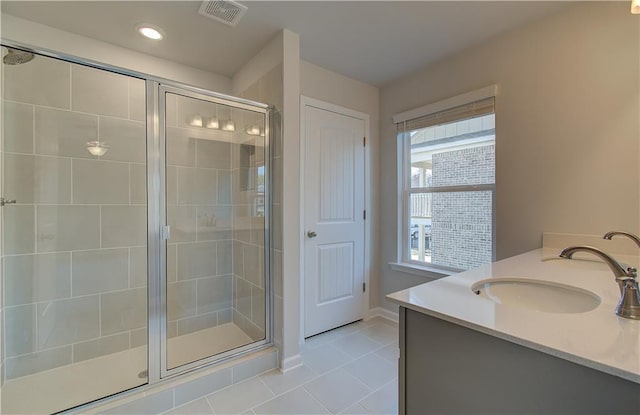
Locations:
(312, 102)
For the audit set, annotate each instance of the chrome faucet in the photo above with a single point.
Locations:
(629, 304)
(631, 236)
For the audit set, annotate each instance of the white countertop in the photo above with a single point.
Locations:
(598, 338)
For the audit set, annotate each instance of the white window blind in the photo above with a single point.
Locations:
(462, 112)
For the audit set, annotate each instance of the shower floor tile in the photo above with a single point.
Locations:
(117, 372)
(204, 343)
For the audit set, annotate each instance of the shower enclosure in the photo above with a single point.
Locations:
(134, 231)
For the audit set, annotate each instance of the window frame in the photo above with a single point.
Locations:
(404, 261)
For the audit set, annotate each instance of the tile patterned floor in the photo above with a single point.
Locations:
(349, 370)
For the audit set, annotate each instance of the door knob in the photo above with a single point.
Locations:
(312, 234)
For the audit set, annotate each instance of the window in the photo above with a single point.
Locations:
(448, 183)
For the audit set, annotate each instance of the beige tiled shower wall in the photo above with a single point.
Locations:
(74, 260)
(267, 89)
(248, 243)
(200, 211)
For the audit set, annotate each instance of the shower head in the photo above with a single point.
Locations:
(17, 57)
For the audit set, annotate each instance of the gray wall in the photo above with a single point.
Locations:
(567, 130)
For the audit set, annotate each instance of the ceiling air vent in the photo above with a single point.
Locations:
(225, 11)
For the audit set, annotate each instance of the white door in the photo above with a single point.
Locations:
(334, 187)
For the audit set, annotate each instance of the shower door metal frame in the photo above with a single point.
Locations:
(195, 93)
(156, 213)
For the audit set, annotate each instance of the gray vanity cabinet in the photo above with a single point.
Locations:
(450, 369)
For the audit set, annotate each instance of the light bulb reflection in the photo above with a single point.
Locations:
(229, 125)
(96, 148)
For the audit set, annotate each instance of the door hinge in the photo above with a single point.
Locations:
(165, 232)
(364, 141)
(364, 287)
(364, 214)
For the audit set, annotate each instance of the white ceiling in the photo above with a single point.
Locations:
(375, 42)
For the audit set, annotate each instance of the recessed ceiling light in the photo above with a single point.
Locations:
(151, 32)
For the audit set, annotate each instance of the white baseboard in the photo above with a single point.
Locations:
(290, 363)
(382, 312)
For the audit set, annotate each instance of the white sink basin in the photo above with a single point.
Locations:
(535, 295)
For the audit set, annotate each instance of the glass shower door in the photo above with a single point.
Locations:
(74, 235)
(215, 208)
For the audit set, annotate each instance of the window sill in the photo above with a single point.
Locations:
(432, 273)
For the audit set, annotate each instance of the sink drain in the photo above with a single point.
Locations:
(143, 374)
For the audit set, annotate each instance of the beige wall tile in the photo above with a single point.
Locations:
(185, 185)
(182, 220)
(197, 260)
(123, 311)
(225, 257)
(254, 265)
(172, 185)
(19, 330)
(63, 322)
(44, 81)
(18, 229)
(67, 228)
(257, 307)
(99, 92)
(172, 262)
(100, 347)
(64, 133)
(124, 226)
(100, 182)
(99, 271)
(37, 179)
(181, 149)
(197, 186)
(137, 100)
(215, 294)
(213, 154)
(225, 316)
(18, 127)
(138, 337)
(138, 184)
(181, 300)
(251, 330)
(172, 329)
(36, 278)
(238, 258)
(201, 322)
(138, 267)
(225, 193)
(242, 296)
(215, 222)
(37, 362)
(241, 224)
(126, 139)
(206, 186)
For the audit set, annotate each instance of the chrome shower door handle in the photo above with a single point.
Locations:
(312, 234)
(4, 201)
